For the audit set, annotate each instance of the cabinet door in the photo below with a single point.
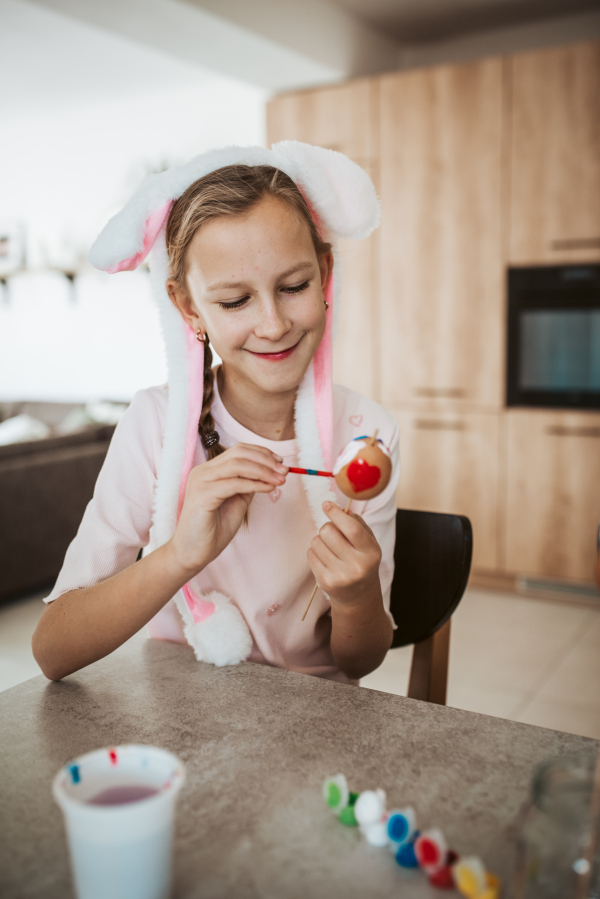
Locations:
(338, 118)
(341, 118)
(553, 493)
(442, 283)
(555, 155)
(449, 463)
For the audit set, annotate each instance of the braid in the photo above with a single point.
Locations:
(206, 425)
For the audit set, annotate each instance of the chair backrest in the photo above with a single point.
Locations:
(432, 564)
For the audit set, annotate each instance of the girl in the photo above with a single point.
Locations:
(198, 471)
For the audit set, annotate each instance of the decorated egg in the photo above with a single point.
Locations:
(363, 468)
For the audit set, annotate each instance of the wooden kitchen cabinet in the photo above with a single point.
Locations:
(449, 463)
(553, 493)
(554, 97)
(441, 258)
(342, 117)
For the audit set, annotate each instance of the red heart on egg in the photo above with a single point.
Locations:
(362, 476)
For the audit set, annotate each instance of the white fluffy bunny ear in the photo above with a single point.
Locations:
(128, 237)
(339, 191)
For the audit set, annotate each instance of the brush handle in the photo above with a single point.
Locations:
(321, 474)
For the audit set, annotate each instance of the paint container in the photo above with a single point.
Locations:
(119, 805)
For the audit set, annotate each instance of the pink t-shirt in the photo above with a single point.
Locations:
(264, 570)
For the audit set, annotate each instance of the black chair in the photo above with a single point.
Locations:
(432, 564)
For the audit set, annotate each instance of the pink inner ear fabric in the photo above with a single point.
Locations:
(323, 372)
(153, 225)
(200, 609)
(195, 351)
(323, 367)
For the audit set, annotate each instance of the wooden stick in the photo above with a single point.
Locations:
(312, 596)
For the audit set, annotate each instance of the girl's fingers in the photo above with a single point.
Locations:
(244, 468)
(317, 567)
(251, 451)
(352, 526)
(222, 490)
(325, 556)
(335, 541)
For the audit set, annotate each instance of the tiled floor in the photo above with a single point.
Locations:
(525, 659)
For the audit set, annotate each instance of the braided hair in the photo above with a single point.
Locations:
(206, 426)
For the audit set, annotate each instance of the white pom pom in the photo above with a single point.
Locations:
(222, 639)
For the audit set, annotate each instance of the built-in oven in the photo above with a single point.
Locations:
(553, 347)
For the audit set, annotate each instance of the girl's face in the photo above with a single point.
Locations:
(256, 286)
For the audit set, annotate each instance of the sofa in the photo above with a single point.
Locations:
(45, 486)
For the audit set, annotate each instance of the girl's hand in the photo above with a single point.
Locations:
(217, 496)
(344, 558)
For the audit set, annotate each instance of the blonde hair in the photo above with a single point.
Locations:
(232, 190)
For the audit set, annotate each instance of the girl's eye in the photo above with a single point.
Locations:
(298, 288)
(235, 305)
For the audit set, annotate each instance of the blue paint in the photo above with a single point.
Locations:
(398, 828)
(74, 772)
(405, 856)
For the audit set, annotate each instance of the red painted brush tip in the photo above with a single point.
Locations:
(321, 474)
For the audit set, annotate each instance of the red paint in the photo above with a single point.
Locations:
(123, 795)
(112, 756)
(363, 476)
(428, 852)
(442, 879)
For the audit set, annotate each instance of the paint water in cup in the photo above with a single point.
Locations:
(119, 806)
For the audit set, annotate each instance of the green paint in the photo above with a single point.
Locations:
(334, 795)
(348, 817)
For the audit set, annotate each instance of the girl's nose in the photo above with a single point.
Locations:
(273, 322)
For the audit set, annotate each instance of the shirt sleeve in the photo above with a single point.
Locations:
(380, 514)
(117, 520)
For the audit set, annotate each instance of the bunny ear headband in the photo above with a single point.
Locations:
(344, 204)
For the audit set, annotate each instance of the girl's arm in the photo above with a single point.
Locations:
(345, 559)
(84, 625)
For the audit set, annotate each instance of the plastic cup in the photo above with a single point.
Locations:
(119, 806)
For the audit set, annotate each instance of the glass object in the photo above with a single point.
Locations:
(556, 832)
(560, 350)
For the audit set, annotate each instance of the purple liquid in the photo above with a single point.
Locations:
(123, 794)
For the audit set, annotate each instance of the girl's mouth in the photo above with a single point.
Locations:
(276, 357)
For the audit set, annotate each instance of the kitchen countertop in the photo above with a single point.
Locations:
(257, 743)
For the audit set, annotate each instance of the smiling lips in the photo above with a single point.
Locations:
(275, 357)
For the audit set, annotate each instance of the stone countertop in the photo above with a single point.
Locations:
(257, 743)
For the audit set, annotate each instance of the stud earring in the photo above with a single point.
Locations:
(200, 336)
(326, 305)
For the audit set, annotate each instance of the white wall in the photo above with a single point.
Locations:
(63, 174)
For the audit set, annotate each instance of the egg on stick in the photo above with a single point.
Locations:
(362, 470)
